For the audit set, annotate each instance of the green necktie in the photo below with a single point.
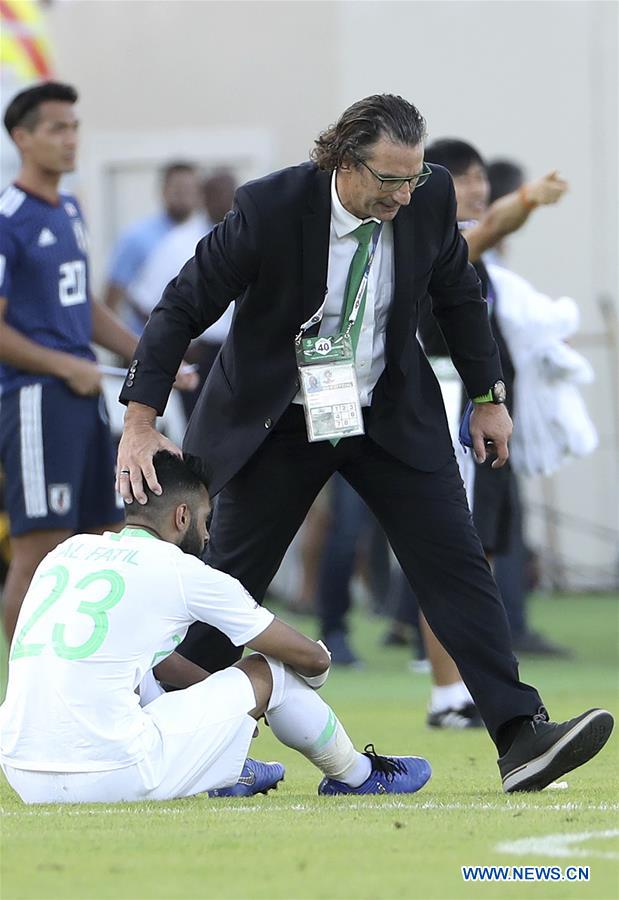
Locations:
(363, 234)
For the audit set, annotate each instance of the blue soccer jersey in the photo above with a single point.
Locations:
(44, 277)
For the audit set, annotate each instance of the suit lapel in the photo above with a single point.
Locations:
(399, 323)
(316, 229)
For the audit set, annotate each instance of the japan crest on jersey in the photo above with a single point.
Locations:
(59, 498)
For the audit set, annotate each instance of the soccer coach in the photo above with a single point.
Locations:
(332, 258)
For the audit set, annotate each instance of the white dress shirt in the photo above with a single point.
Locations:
(370, 353)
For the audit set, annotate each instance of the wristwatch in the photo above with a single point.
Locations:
(497, 394)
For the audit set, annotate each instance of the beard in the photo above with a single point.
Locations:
(192, 542)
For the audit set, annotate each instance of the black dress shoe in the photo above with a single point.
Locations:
(543, 751)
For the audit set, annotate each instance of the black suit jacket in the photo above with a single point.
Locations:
(270, 254)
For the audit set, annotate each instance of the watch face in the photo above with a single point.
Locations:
(499, 393)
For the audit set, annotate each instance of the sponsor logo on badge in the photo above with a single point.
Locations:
(59, 496)
(323, 346)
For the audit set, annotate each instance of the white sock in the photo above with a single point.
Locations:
(449, 696)
(299, 718)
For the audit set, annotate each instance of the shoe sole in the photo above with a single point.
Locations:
(577, 746)
(271, 787)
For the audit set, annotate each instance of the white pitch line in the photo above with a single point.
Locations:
(214, 807)
(565, 845)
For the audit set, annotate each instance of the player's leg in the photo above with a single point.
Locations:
(451, 705)
(200, 741)
(40, 454)
(200, 737)
(27, 551)
(100, 507)
(256, 777)
(299, 718)
(112, 786)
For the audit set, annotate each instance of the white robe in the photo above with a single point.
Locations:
(551, 423)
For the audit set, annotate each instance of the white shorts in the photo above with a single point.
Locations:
(198, 741)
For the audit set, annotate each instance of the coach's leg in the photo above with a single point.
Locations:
(257, 514)
(27, 551)
(255, 518)
(429, 526)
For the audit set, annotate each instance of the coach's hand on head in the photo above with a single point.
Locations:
(139, 443)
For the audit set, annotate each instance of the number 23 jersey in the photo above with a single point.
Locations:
(101, 612)
(44, 277)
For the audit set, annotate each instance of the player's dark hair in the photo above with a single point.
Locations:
(23, 110)
(178, 477)
(505, 177)
(454, 155)
(175, 166)
(364, 123)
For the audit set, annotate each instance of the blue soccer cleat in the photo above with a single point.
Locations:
(389, 775)
(256, 778)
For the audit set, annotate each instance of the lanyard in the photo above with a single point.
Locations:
(317, 316)
(352, 318)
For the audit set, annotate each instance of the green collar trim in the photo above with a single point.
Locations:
(129, 531)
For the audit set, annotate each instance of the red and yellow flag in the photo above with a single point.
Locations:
(25, 53)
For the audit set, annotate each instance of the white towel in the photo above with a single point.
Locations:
(551, 423)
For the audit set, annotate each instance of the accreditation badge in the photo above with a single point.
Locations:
(329, 387)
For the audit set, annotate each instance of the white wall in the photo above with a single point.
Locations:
(532, 80)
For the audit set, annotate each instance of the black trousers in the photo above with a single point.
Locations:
(426, 518)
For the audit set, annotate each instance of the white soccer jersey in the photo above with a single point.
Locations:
(100, 613)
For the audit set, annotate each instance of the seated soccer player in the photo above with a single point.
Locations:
(85, 719)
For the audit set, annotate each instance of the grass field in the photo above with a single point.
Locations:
(291, 844)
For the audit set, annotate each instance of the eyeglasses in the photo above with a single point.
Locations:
(390, 184)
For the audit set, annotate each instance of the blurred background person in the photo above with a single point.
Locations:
(515, 570)
(494, 500)
(486, 218)
(505, 176)
(141, 241)
(216, 193)
(55, 444)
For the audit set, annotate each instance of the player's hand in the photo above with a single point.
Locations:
(187, 378)
(139, 443)
(548, 189)
(82, 376)
(491, 423)
(317, 681)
